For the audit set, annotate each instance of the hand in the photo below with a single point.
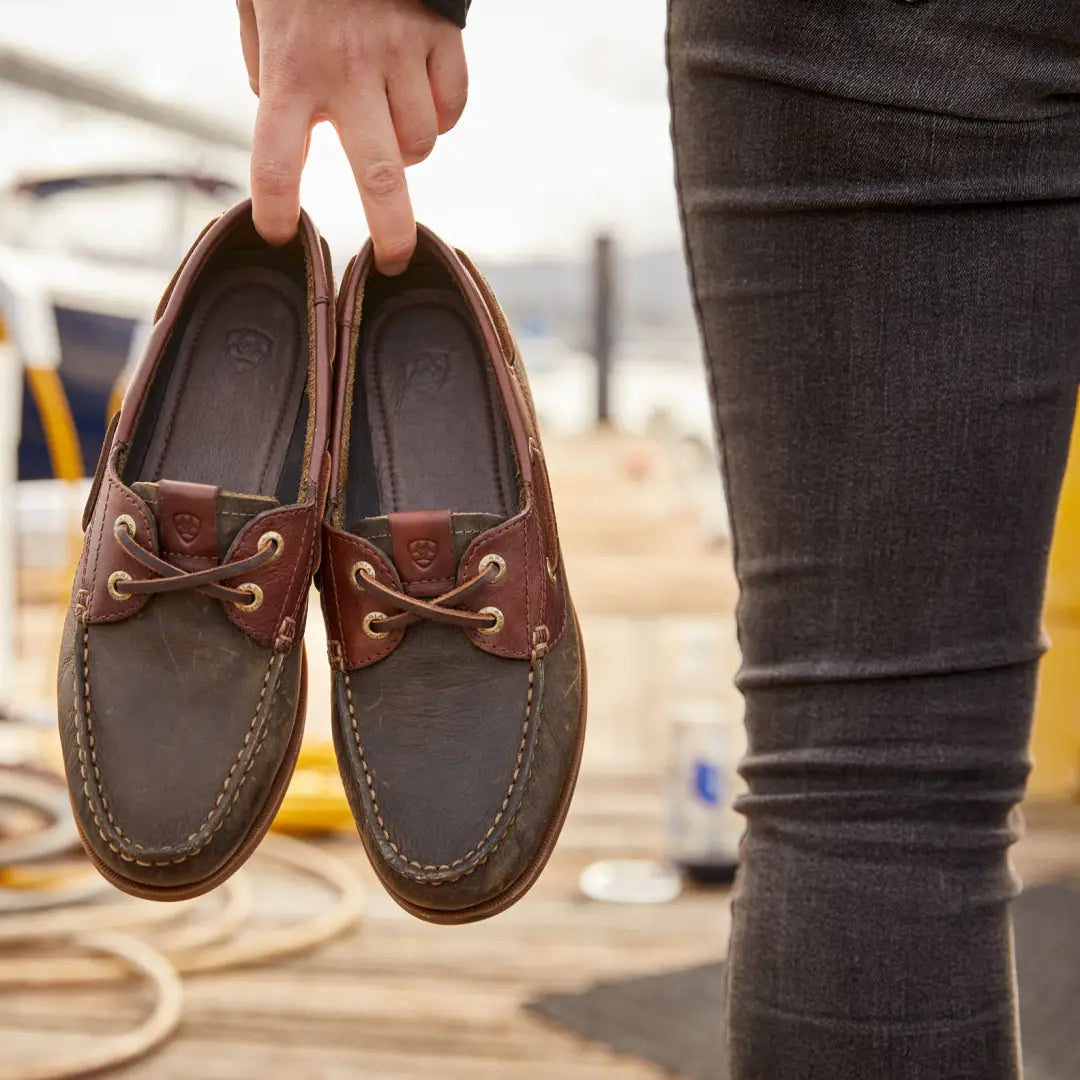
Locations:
(390, 75)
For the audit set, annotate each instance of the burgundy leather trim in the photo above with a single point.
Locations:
(99, 472)
(279, 619)
(423, 545)
(187, 522)
(349, 298)
(345, 606)
(103, 556)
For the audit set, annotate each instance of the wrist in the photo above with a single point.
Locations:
(454, 10)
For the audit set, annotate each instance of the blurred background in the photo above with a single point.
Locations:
(124, 128)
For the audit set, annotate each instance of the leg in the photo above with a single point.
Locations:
(882, 206)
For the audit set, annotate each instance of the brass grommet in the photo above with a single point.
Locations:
(493, 560)
(125, 522)
(256, 597)
(114, 592)
(497, 615)
(375, 635)
(364, 568)
(274, 538)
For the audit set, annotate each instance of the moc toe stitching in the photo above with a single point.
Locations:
(483, 849)
(110, 830)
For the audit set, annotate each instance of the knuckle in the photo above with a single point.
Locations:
(271, 178)
(352, 56)
(452, 105)
(288, 67)
(416, 146)
(395, 39)
(383, 179)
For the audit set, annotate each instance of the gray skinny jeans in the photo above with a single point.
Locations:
(881, 203)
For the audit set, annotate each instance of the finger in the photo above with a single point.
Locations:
(448, 74)
(282, 133)
(412, 112)
(367, 135)
(249, 41)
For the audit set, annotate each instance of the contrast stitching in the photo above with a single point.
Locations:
(207, 830)
(454, 532)
(298, 578)
(474, 854)
(100, 516)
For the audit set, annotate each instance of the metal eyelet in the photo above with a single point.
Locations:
(274, 538)
(254, 592)
(493, 560)
(125, 522)
(497, 615)
(364, 568)
(375, 635)
(114, 592)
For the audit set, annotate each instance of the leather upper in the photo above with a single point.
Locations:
(181, 711)
(458, 748)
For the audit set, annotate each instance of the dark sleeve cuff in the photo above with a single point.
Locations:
(454, 10)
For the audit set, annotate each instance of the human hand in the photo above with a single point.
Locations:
(390, 75)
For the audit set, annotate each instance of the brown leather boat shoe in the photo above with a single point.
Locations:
(459, 677)
(182, 675)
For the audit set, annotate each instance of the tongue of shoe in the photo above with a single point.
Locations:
(425, 545)
(197, 523)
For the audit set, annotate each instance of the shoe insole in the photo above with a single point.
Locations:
(232, 401)
(438, 436)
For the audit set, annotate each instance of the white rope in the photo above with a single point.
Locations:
(205, 943)
(115, 1049)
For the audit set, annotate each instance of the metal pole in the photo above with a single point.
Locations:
(604, 323)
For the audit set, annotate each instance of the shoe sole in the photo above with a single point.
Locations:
(260, 827)
(525, 881)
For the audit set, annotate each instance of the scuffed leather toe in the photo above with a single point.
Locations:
(455, 816)
(165, 787)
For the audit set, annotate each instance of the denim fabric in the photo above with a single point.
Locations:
(881, 203)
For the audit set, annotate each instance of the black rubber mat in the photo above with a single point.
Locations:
(671, 1018)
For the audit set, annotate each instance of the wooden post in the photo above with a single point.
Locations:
(604, 323)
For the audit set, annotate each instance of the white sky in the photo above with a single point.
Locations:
(566, 130)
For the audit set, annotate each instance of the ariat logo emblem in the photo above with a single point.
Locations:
(187, 526)
(428, 370)
(247, 348)
(423, 552)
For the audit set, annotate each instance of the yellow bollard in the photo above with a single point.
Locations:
(1056, 741)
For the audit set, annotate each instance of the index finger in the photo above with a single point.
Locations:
(371, 145)
(282, 130)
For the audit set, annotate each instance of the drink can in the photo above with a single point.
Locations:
(703, 829)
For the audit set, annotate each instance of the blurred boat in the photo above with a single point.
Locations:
(84, 256)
